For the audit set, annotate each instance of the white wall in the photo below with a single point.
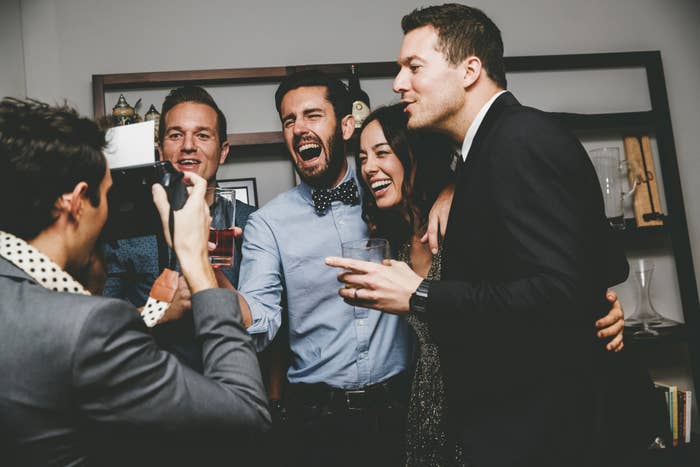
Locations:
(12, 79)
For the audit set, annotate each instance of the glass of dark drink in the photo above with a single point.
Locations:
(223, 215)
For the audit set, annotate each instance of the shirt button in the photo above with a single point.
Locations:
(361, 322)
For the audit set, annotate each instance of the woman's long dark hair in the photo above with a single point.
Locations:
(425, 158)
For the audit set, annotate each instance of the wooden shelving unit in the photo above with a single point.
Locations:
(655, 121)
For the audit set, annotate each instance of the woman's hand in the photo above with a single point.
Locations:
(385, 287)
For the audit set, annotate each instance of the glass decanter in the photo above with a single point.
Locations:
(645, 316)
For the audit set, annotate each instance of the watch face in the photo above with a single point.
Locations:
(418, 301)
(422, 290)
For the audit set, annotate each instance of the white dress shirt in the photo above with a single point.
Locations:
(471, 132)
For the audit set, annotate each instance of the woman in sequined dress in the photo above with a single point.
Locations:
(396, 200)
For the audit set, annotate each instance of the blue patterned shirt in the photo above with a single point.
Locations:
(284, 247)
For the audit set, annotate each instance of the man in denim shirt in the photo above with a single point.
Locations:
(192, 136)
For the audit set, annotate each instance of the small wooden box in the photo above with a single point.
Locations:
(647, 205)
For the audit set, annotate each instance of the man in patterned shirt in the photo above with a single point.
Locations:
(192, 136)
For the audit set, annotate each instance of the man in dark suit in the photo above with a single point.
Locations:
(527, 257)
(82, 380)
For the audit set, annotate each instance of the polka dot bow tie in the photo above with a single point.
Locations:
(345, 192)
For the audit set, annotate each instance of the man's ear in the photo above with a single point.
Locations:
(223, 154)
(72, 203)
(347, 125)
(471, 67)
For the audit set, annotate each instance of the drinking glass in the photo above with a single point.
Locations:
(223, 217)
(375, 250)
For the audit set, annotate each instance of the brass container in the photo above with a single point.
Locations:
(154, 115)
(123, 113)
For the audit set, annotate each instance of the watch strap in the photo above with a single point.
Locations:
(419, 299)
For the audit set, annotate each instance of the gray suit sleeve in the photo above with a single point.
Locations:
(123, 378)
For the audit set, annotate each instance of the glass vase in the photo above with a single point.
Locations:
(645, 316)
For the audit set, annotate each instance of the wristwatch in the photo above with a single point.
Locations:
(419, 299)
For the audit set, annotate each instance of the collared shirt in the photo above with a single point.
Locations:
(471, 132)
(37, 265)
(284, 247)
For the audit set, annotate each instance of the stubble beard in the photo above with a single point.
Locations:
(327, 175)
(436, 114)
(420, 121)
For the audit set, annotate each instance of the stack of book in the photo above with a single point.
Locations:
(679, 404)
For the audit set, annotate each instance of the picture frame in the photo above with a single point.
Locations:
(246, 189)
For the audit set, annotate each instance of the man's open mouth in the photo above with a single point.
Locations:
(309, 151)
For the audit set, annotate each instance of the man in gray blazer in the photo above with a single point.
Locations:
(81, 380)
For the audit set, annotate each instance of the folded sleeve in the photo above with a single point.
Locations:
(261, 280)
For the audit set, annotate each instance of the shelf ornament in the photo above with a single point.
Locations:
(647, 204)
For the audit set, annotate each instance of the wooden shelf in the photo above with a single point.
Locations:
(255, 138)
(635, 238)
(229, 76)
(625, 121)
(685, 455)
(174, 78)
(670, 334)
(234, 76)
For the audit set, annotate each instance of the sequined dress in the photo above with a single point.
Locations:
(428, 442)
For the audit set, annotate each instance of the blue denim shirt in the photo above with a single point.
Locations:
(284, 247)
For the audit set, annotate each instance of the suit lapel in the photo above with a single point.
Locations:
(465, 167)
(7, 269)
(501, 103)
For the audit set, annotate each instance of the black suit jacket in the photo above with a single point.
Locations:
(527, 257)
